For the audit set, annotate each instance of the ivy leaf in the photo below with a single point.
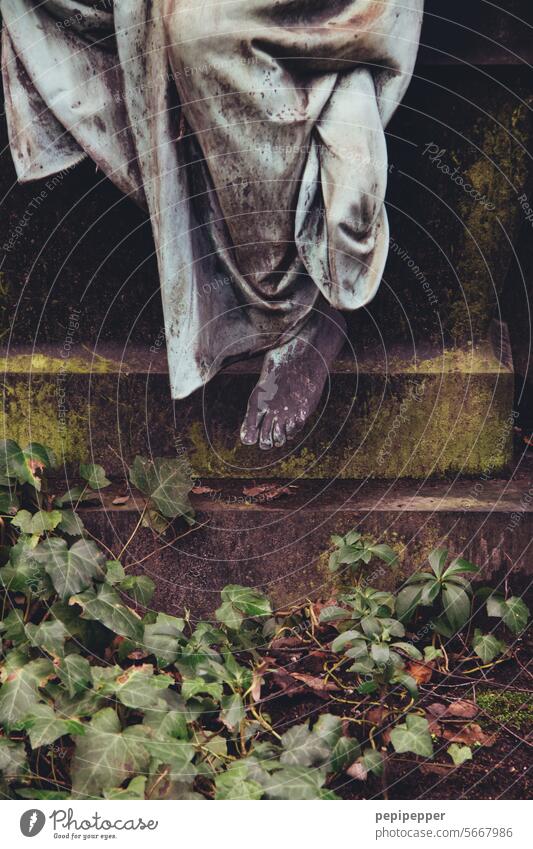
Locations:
(166, 483)
(106, 607)
(114, 572)
(197, 686)
(459, 754)
(413, 735)
(106, 756)
(71, 524)
(345, 752)
(37, 524)
(303, 748)
(373, 761)
(135, 790)
(21, 465)
(13, 762)
(94, 476)
(49, 636)
(163, 638)
(233, 712)
(140, 587)
(234, 784)
(19, 693)
(487, 646)
(295, 784)
(137, 687)
(248, 601)
(71, 570)
(44, 726)
(515, 614)
(75, 673)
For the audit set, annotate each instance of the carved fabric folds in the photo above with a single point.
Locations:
(250, 130)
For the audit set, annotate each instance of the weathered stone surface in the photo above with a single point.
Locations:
(384, 415)
(280, 546)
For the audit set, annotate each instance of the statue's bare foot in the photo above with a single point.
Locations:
(292, 381)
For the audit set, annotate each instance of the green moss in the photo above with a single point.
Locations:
(30, 414)
(43, 364)
(507, 707)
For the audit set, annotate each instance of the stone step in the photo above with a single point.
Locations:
(387, 413)
(279, 546)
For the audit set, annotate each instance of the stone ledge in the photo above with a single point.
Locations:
(279, 546)
(383, 416)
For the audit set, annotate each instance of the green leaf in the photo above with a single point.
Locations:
(40, 523)
(114, 572)
(333, 614)
(457, 606)
(233, 712)
(75, 673)
(19, 465)
(246, 600)
(303, 748)
(19, 692)
(137, 687)
(95, 476)
(431, 653)
(295, 784)
(49, 636)
(487, 646)
(140, 587)
(347, 639)
(71, 570)
(106, 607)
(328, 728)
(13, 762)
(407, 601)
(9, 503)
(515, 614)
(373, 761)
(495, 606)
(457, 566)
(235, 784)
(437, 560)
(459, 754)
(134, 790)
(71, 524)
(163, 638)
(409, 649)
(166, 483)
(45, 726)
(345, 752)
(413, 736)
(197, 686)
(106, 756)
(385, 553)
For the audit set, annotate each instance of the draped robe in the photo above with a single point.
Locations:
(252, 131)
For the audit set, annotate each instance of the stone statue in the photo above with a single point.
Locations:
(252, 131)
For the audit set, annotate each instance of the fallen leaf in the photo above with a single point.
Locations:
(203, 490)
(287, 684)
(358, 771)
(121, 499)
(419, 671)
(318, 685)
(375, 715)
(462, 709)
(286, 643)
(267, 491)
(469, 735)
(258, 680)
(435, 769)
(437, 709)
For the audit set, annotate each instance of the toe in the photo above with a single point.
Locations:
(251, 425)
(265, 439)
(278, 433)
